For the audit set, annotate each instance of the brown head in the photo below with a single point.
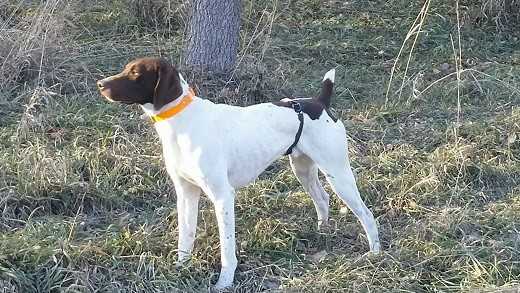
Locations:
(142, 81)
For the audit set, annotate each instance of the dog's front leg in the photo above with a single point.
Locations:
(223, 198)
(187, 211)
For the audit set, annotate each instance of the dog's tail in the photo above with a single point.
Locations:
(327, 88)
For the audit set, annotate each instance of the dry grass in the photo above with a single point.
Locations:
(31, 41)
(504, 13)
(86, 205)
(165, 16)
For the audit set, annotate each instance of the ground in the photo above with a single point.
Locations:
(86, 204)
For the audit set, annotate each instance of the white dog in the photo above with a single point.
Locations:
(217, 148)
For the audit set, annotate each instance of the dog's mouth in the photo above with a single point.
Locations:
(126, 101)
(106, 94)
(108, 98)
(122, 101)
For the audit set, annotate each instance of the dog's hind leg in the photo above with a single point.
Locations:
(344, 184)
(307, 173)
(332, 159)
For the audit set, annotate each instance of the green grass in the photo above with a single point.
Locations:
(86, 205)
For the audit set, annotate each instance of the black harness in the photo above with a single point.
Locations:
(299, 110)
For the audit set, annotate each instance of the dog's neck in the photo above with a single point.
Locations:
(149, 109)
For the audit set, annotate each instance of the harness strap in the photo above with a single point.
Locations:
(298, 109)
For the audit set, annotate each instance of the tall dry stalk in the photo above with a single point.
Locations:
(414, 31)
(27, 46)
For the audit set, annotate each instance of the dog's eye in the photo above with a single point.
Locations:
(134, 75)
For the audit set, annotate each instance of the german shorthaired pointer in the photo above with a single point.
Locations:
(216, 148)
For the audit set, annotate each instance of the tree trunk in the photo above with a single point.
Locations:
(213, 33)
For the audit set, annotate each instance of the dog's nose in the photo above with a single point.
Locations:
(100, 84)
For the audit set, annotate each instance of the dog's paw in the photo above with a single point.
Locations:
(375, 252)
(376, 248)
(324, 226)
(224, 283)
(221, 288)
(181, 263)
(328, 226)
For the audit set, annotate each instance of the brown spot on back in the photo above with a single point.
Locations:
(314, 106)
(311, 107)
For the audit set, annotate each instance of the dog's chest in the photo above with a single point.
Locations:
(180, 156)
(214, 160)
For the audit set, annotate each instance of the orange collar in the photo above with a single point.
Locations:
(170, 112)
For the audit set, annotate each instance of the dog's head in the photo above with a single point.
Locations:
(142, 81)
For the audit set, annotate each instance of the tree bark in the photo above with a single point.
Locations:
(213, 33)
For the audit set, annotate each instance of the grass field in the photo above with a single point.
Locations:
(86, 204)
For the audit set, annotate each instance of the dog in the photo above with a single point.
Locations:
(217, 148)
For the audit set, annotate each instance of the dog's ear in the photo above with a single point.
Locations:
(168, 86)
